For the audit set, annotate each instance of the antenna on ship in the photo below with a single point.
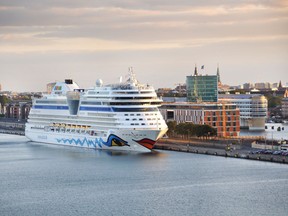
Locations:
(132, 76)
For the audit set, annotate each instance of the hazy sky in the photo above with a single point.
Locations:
(42, 41)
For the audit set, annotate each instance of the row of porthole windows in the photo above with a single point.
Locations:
(138, 114)
(141, 119)
(145, 124)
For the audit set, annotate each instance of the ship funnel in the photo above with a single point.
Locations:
(73, 99)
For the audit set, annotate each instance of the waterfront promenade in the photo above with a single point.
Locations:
(225, 148)
(12, 126)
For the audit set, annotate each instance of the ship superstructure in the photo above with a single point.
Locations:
(122, 116)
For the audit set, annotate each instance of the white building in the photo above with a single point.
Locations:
(253, 109)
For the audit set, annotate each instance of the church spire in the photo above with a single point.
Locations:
(195, 71)
(218, 74)
(280, 85)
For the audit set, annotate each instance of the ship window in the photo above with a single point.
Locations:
(134, 110)
(138, 114)
(143, 124)
(141, 119)
(132, 123)
(126, 114)
(51, 102)
(127, 119)
(91, 103)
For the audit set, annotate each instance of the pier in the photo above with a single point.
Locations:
(241, 150)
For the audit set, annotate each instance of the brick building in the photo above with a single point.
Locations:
(225, 118)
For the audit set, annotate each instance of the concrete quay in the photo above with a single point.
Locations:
(12, 126)
(15, 132)
(241, 150)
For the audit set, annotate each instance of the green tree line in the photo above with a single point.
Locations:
(189, 129)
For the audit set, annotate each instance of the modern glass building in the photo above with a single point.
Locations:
(202, 88)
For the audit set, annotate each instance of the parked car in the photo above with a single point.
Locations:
(277, 153)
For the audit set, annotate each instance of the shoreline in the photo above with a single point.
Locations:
(196, 146)
(12, 132)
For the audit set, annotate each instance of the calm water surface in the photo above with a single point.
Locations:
(39, 179)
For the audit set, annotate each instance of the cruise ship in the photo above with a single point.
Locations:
(122, 116)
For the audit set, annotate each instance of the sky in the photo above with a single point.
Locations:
(50, 40)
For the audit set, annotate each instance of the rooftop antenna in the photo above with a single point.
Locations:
(132, 77)
(195, 71)
(218, 73)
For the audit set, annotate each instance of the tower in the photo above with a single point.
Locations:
(195, 71)
(280, 85)
(218, 74)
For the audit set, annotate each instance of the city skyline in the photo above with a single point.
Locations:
(41, 42)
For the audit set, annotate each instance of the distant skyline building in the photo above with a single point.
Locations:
(253, 109)
(202, 88)
(248, 86)
(263, 85)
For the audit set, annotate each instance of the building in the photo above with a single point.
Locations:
(263, 85)
(248, 86)
(202, 88)
(223, 117)
(284, 105)
(253, 109)
(17, 110)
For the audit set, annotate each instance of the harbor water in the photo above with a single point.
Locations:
(42, 179)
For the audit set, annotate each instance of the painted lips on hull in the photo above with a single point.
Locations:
(147, 143)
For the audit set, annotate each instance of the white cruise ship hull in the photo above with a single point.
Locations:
(122, 116)
(123, 140)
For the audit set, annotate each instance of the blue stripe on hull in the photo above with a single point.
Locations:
(50, 107)
(101, 109)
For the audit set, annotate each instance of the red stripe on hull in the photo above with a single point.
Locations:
(147, 143)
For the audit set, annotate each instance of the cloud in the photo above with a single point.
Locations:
(79, 26)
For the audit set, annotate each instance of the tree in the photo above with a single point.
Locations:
(3, 100)
(205, 131)
(185, 129)
(171, 127)
(273, 101)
